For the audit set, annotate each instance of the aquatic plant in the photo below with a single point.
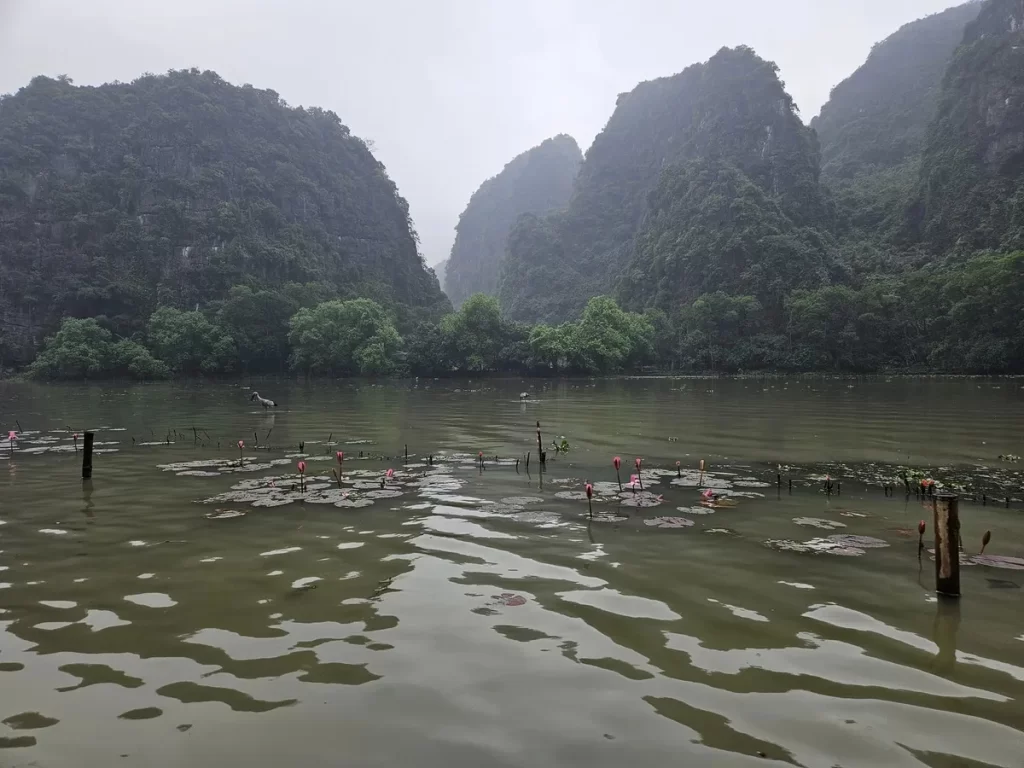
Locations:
(669, 522)
(817, 522)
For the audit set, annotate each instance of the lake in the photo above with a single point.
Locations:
(183, 608)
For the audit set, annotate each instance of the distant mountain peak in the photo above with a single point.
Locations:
(537, 181)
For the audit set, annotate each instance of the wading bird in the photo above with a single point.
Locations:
(262, 400)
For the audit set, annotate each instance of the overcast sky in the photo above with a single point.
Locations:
(448, 90)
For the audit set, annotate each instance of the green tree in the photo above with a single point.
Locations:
(81, 349)
(258, 322)
(608, 339)
(475, 335)
(553, 346)
(715, 328)
(132, 360)
(425, 351)
(189, 343)
(344, 338)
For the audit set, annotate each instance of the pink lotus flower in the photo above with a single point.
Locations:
(389, 474)
(12, 435)
(638, 462)
(241, 444)
(340, 455)
(590, 490)
(617, 462)
(302, 467)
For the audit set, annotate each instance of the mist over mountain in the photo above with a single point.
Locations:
(537, 181)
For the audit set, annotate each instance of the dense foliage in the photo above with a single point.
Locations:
(171, 190)
(537, 181)
(344, 337)
(353, 337)
(82, 349)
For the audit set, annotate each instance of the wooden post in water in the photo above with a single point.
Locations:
(945, 507)
(87, 456)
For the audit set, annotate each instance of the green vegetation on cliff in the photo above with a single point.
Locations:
(971, 189)
(877, 118)
(727, 121)
(872, 129)
(171, 190)
(538, 181)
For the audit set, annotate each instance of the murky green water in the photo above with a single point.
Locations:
(468, 616)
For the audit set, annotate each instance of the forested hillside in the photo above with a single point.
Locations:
(170, 190)
(872, 129)
(538, 181)
(971, 189)
(732, 112)
(877, 118)
(180, 225)
(746, 215)
(702, 203)
(554, 263)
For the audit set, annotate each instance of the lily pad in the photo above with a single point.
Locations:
(642, 500)
(815, 547)
(354, 503)
(383, 493)
(863, 542)
(607, 517)
(699, 510)
(669, 522)
(224, 514)
(999, 561)
(817, 522)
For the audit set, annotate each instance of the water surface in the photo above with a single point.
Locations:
(182, 609)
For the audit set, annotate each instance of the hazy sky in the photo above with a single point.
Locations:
(448, 90)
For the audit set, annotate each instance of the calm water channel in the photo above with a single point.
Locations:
(185, 610)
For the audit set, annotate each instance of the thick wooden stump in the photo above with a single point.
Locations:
(947, 544)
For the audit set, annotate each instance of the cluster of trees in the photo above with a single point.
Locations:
(258, 332)
(963, 317)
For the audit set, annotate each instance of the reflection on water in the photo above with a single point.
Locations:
(198, 604)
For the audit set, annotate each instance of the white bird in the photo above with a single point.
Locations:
(524, 395)
(262, 400)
